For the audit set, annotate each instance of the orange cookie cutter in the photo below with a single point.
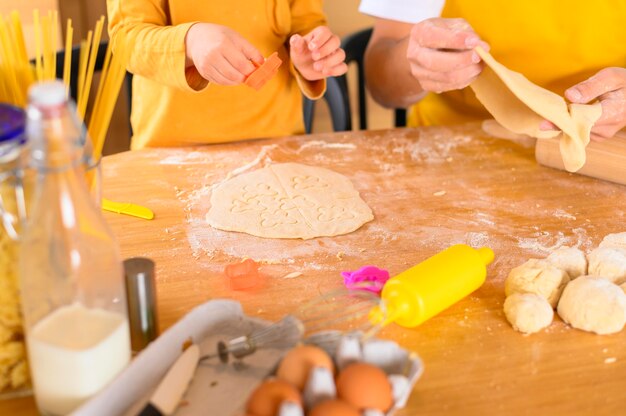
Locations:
(264, 72)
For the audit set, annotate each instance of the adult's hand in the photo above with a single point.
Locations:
(441, 55)
(608, 86)
(221, 55)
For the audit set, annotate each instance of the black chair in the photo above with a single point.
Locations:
(337, 93)
(354, 45)
(336, 97)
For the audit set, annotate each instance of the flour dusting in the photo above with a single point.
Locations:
(262, 159)
(385, 173)
(559, 213)
(326, 145)
(543, 242)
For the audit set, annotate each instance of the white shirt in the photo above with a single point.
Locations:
(408, 11)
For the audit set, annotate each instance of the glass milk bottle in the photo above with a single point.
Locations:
(71, 274)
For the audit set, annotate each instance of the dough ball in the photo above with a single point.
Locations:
(539, 277)
(608, 263)
(623, 286)
(593, 304)
(617, 240)
(528, 312)
(570, 259)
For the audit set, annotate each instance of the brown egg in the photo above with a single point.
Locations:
(299, 361)
(365, 386)
(334, 408)
(268, 396)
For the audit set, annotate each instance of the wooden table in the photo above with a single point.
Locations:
(428, 188)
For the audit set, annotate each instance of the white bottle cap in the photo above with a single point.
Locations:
(47, 93)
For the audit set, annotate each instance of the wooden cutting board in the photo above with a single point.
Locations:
(605, 160)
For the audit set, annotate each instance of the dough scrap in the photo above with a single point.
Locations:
(539, 277)
(593, 304)
(520, 106)
(288, 200)
(608, 263)
(570, 259)
(616, 240)
(528, 312)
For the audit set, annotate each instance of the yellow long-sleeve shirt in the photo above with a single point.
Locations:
(173, 105)
(553, 43)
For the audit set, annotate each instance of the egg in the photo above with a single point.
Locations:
(268, 396)
(298, 363)
(365, 386)
(334, 408)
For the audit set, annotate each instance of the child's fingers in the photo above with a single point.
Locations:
(214, 76)
(334, 59)
(317, 37)
(297, 45)
(250, 52)
(224, 73)
(335, 71)
(327, 48)
(240, 62)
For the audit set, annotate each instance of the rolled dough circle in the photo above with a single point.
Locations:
(528, 312)
(593, 304)
(288, 200)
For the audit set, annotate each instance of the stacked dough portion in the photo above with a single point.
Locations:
(584, 289)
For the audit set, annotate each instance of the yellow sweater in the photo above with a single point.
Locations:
(174, 106)
(554, 43)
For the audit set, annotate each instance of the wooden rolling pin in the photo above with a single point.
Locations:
(605, 160)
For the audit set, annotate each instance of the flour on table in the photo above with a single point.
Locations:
(288, 200)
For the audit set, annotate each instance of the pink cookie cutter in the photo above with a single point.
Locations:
(367, 278)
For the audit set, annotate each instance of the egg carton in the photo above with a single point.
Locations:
(403, 368)
(222, 389)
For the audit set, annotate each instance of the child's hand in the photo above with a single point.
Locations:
(220, 54)
(317, 55)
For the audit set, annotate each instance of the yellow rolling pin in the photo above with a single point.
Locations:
(433, 285)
